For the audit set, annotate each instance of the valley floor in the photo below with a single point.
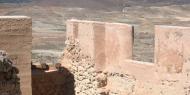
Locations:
(49, 25)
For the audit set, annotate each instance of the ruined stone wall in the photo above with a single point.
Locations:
(130, 78)
(114, 73)
(9, 81)
(87, 52)
(96, 38)
(172, 48)
(137, 78)
(82, 67)
(169, 75)
(15, 39)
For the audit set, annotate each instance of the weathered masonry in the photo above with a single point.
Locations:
(172, 48)
(15, 39)
(90, 47)
(99, 56)
(107, 43)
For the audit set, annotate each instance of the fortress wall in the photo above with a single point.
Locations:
(172, 48)
(87, 33)
(82, 67)
(98, 56)
(15, 39)
(96, 38)
(169, 75)
(88, 52)
(137, 78)
(119, 42)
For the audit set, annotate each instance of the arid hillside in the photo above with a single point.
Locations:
(99, 4)
(106, 4)
(49, 18)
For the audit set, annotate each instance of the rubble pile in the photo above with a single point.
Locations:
(82, 67)
(9, 81)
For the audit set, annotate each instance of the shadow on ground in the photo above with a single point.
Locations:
(52, 82)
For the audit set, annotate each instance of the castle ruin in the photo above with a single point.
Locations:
(97, 60)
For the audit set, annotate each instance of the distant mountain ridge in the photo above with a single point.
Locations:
(15, 1)
(100, 1)
(109, 4)
(100, 4)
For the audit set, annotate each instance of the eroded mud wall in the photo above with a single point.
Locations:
(82, 67)
(88, 51)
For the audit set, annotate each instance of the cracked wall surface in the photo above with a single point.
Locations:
(15, 39)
